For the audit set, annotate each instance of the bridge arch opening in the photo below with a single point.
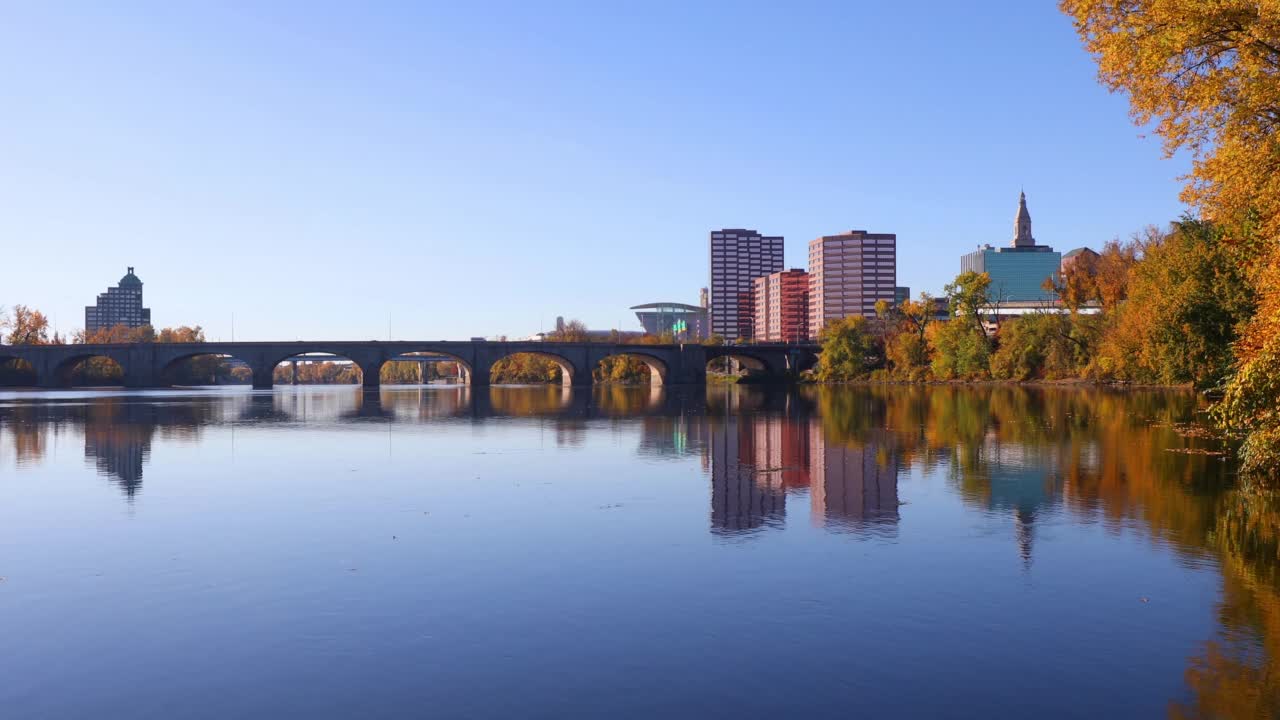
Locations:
(89, 370)
(531, 368)
(16, 372)
(423, 368)
(630, 368)
(317, 368)
(206, 369)
(736, 365)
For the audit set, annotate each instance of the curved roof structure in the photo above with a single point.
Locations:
(668, 306)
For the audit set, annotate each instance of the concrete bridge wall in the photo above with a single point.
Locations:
(149, 364)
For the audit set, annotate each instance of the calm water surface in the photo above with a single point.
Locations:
(531, 552)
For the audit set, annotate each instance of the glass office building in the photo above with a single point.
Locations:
(1018, 271)
(684, 322)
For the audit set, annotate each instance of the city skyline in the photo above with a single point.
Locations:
(346, 186)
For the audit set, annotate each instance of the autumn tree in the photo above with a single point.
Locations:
(27, 327)
(572, 331)
(1207, 74)
(907, 351)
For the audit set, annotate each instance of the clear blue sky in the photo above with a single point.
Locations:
(479, 168)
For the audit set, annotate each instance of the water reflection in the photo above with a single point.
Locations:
(841, 460)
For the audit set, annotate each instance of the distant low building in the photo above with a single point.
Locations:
(1018, 271)
(684, 322)
(119, 305)
(1081, 254)
(900, 295)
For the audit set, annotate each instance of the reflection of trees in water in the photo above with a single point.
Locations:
(1103, 456)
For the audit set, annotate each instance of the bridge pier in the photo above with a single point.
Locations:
(371, 374)
(264, 377)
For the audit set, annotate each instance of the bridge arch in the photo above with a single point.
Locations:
(434, 355)
(302, 360)
(88, 369)
(184, 370)
(513, 368)
(620, 367)
(16, 371)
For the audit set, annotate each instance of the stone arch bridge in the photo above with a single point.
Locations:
(150, 364)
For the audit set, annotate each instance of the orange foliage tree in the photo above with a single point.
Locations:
(1207, 75)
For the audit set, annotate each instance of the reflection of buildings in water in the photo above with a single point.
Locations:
(673, 435)
(1021, 480)
(854, 485)
(117, 430)
(119, 451)
(756, 460)
(742, 498)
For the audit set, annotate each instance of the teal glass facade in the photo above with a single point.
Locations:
(1016, 274)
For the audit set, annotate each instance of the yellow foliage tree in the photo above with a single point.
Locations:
(1207, 74)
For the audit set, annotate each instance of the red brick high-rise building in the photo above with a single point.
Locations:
(782, 307)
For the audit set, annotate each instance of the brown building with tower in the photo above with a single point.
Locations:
(848, 273)
(781, 307)
(120, 305)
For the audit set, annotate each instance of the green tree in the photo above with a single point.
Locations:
(959, 350)
(967, 297)
(1041, 346)
(1188, 299)
(847, 349)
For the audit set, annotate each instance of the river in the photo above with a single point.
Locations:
(534, 552)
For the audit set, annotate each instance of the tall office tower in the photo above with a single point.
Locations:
(737, 258)
(782, 307)
(120, 305)
(848, 273)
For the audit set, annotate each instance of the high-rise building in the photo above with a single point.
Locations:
(901, 294)
(848, 273)
(737, 258)
(781, 307)
(120, 305)
(1018, 271)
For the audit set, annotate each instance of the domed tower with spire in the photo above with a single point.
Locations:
(1022, 225)
(1018, 270)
